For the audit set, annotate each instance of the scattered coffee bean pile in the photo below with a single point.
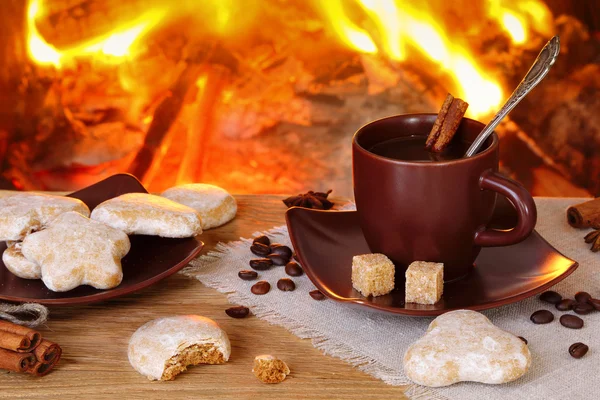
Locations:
(582, 304)
(270, 255)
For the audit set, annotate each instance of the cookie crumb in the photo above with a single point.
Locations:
(270, 369)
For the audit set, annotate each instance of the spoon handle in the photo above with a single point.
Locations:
(537, 72)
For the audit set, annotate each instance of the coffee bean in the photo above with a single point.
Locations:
(295, 256)
(565, 305)
(286, 284)
(571, 321)
(582, 297)
(260, 249)
(261, 287)
(248, 275)
(261, 264)
(595, 303)
(262, 240)
(542, 317)
(551, 297)
(282, 250)
(523, 339)
(278, 259)
(583, 308)
(578, 350)
(293, 269)
(237, 312)
(316, 294)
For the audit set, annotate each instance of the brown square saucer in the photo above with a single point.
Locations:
(150, 259)
(326, 241)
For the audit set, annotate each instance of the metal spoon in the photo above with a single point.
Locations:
(544, 61)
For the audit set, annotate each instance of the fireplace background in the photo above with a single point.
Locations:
(269, 110)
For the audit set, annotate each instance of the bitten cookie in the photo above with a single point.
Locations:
(15, 262)
(269, 369)
(462, 346)
(163, 348)
(74, 251)
(215, 205)
(23, 213)
(147, 214)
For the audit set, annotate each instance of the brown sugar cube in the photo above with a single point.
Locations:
(373, 274)
(269, 369)
(424, 282)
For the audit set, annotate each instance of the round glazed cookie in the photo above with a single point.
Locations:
(15, 262)
(215, 205)
(163, 348)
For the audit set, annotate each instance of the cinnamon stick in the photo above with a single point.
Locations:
(437, 126)
(47, 355)
(17, 362)
(450, 125)
(47, 351)
(585, 215)
(14, 342)
(18, 338)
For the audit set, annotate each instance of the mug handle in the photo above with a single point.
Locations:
(523, 203)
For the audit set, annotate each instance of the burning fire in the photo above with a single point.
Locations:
(396, 24)
(111, 46)
(391, 28)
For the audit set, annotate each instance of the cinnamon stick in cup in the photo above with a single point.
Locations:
(446, 124)
(18, 338)
(17, 362)
(584, 215)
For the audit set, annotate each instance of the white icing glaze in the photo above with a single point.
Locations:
(74, 250)
(15, 262)
(154, 343)
(22, 213)
(215, 205)
(147, 214)
(464, 345)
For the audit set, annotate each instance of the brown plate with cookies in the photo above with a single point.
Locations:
(326, 241)
(151, 258)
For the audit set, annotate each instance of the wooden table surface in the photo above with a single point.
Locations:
(94, 340)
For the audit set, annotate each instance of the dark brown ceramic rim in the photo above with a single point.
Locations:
(120, 184)
(356, 143)
(110, 294)
(421, 313)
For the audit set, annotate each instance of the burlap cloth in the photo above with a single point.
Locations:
(376, 343)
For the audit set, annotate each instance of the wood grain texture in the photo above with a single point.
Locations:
(94, 340)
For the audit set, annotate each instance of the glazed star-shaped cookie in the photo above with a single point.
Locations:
(74, 251)
(22, 213)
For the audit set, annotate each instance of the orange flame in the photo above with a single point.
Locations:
(112, 45)
(396, 23)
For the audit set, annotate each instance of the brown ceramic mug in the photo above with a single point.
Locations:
(433, 211)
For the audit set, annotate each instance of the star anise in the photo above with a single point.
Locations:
(594, 238)
(317, 200)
